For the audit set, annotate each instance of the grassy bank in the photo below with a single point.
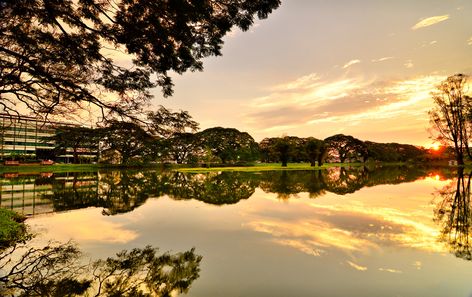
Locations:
(12, 228)
(267, 167)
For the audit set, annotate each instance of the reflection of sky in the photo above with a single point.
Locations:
(352, 225)
(370, 241)
(88, 225)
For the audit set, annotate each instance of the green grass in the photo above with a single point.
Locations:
(50, 168)
(71, 167)
(267, 167)
(12, 227)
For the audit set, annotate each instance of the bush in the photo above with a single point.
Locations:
(12, 228)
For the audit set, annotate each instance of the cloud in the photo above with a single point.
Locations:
(381, 59)
(409, 64)
(356, 266)
(313, 100)
(350, 63)
(469, 42)
(430, 21)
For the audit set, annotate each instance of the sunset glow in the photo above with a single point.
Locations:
(368, 74)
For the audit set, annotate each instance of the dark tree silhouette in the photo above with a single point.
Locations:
(55, 55)
(166, 123)
(451, 116)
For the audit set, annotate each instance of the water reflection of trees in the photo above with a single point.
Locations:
(338, 180)
(122, 191)
(58, 269)
(213, 188)
(454, 213)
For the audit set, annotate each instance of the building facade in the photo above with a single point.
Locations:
(23, 137)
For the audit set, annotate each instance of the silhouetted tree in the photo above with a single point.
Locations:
(451, 117)
(166, 123)
(55, 57)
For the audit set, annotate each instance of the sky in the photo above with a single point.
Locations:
(321, 67)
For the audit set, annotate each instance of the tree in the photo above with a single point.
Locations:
(284, 147)
(451, 116)
(165, 123)
(229, 144)
(182, 147)
(127, 138)
(314, 149)
(344, 146)
(75, 138)
(55, 55)
(267, 150)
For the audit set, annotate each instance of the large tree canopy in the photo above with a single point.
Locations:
(55, 56)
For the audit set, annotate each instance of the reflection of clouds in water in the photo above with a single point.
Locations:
(350, 226)
(84, 226)
(391, 270)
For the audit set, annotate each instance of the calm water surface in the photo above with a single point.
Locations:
(341, 232)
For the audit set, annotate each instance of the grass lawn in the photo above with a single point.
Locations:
(267, 167)
(50, 168)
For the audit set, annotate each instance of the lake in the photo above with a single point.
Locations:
(387, 231)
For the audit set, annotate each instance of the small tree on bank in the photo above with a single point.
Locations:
(451, 115)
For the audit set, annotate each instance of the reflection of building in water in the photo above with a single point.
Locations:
(30, 194)
(21, 135)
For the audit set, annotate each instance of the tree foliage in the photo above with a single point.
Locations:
(74, 138)
(229, 144)
(451, 116)
(166, 123)
(55, 270)
(127, 138)
(344, 146)
(315, 150)
(55, 56)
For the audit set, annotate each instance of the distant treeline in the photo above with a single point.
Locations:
(129, 143)
(172, 137)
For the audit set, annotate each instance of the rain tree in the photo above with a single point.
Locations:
(58, 56)
(344, 146)
(229, 144)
